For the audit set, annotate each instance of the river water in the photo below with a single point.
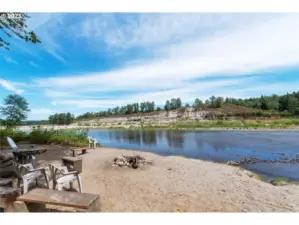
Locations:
(217, 146)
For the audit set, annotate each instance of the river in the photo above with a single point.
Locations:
(217, 146)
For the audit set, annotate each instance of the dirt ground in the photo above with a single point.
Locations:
(175, 183)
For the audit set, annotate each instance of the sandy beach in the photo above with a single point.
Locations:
(175, 183)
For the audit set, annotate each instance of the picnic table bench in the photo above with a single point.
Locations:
(83, 201)
(75, 150)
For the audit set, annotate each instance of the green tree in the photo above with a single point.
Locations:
(142, 106)
(197, 102)
(167, 105)
(178, 103)
(15, 110)
(68, 119)
(187, 105)
(15, 27)
(219, 102)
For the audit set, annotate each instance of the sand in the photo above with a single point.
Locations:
(176, 183)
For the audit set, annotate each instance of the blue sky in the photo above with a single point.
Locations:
(94, 61)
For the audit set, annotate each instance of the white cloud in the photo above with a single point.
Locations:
(260, 46)
(187, 93)
(9, 59)
(10, 86)
(40, 113)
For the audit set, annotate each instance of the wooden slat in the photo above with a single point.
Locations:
(61, 198)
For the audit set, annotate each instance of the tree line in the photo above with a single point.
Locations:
(61, 118)
(288, 103)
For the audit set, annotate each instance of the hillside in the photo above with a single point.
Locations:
(203, 112)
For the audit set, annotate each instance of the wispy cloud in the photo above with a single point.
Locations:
(233, 53)
(40, 113)
(9, 59)
(179, 69)
(151, 29)
(57, 56)
(10, 86)
(45, 26)
(33, 64)
(188, 93)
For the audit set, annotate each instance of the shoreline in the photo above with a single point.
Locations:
(236, 129)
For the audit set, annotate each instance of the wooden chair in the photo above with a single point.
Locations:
(26, 174)
(62, 176)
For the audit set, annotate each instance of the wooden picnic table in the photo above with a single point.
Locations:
(24, 156)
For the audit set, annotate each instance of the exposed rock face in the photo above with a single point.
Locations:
(131, 161)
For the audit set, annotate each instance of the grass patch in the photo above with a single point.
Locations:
(282, 181)
(243, 124)
(39, 135)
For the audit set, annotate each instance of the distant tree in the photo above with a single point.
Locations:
(187, 105)
(15, 27)
(167, 105)
(197, 102)
(68, 118)
(159, 108)
(129, 109)
(15, 110)
(142, 106)
(219, 102)
(178, 103)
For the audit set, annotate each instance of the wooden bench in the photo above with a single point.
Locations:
(83, 151)
(8, 194)
(40, 197)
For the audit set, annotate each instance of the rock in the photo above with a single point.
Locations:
(131, 161)
(232, 163)
(120, 163)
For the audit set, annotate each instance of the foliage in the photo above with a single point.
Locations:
(16, 135)
(282, 106)
(16, 26)
(197, 102)
(143, 107)
(174, 103)
(39, 135)
(15, 110)
(61, 119)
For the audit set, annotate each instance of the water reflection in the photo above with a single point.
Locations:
(149, 138)
(175, 139)
(215, 146)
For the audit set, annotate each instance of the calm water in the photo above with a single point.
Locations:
(218, 146)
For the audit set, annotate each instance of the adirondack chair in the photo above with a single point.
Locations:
(62, 176)
(26, 174)
(92, 142)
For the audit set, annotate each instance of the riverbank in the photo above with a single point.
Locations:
(217, 125)
(175, 183)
